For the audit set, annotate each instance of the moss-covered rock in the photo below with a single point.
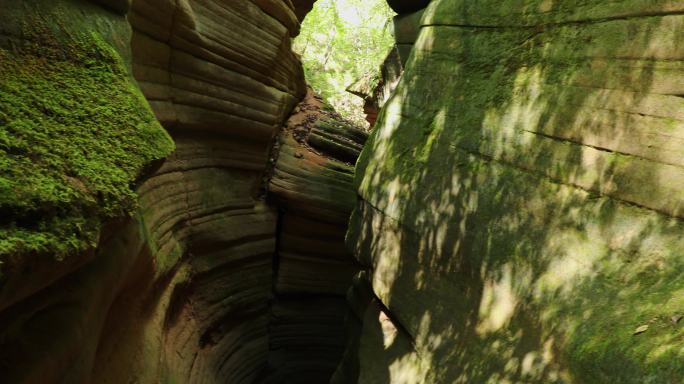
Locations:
(522, 195)
(75, 132)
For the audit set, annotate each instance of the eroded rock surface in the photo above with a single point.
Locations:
(521, 198)
(221, 78)
(312, 183)
(376, 88)
(196, 277)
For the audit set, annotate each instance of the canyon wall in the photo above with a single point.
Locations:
(140, 242)
(521, 209)
(312, 184)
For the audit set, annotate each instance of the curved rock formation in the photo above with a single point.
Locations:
(521, 198)
(221, 78)
(199, 278)
(312, 184)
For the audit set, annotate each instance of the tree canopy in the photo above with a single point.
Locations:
(341, 41)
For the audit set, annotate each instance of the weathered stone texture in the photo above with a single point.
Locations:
(312, 183)
(53, 305)
(376, 88)
(520, 216)
(221, 77)
(186, 290)
(521, 196)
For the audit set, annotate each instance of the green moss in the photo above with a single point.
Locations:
(630, 291)
(75, 132)
(475, 160)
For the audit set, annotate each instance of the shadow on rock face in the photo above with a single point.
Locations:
(521, 195)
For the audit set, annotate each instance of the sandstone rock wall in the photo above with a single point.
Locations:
(205, 279)
(520, 210)
(221, 78)
(375, 89)
(76, 133)
(312, 184)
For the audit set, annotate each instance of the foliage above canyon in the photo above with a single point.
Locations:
(340, 42)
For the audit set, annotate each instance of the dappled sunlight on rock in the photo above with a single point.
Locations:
(408, 369)
(525, 197)
(389, 331)
(386, 268)
(497, 304)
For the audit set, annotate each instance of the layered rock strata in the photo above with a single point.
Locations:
(312, 185)
(221, 78)
(406, 29)
(519, 220)
(76, 133)
(195, 277)
(521, 203)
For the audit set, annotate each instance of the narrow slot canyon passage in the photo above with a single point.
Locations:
(341, 191)
(231, 266)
